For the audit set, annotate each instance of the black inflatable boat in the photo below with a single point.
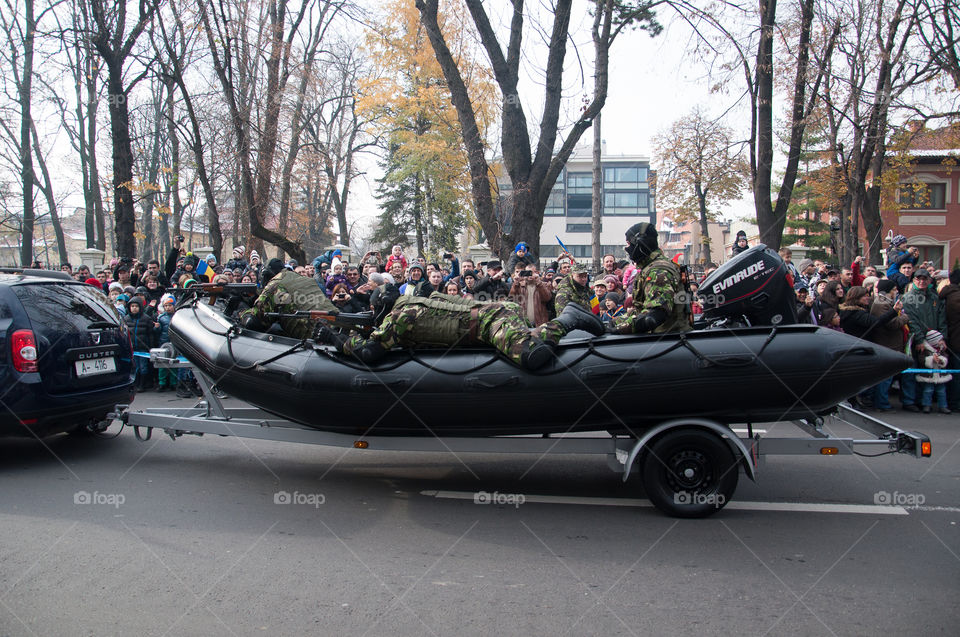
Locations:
(741, 372)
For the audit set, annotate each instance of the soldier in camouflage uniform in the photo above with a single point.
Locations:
(658, 291)
(573, 289)
(443, 320)
(286, 292)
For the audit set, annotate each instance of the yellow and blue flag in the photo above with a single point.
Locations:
(204, 270)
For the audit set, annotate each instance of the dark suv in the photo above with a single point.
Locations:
(65, 356)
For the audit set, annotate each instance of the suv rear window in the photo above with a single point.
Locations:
(59, 305)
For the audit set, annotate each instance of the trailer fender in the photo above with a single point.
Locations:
(736, 445)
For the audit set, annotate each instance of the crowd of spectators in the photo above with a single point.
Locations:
(908, 305)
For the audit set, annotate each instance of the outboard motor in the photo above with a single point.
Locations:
(753, 288)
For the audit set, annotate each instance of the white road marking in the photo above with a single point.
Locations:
(796, 507)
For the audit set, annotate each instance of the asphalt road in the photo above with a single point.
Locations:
(223, 536)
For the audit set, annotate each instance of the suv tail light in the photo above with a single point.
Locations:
(24, 347)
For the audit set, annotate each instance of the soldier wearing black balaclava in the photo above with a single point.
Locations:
(658, 293)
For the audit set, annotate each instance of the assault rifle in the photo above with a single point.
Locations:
(215, 290)
(361, 320)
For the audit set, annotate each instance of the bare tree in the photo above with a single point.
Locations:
(229, 50)
(699, 169)
(115, 45)
(533, 167)
(874, 66)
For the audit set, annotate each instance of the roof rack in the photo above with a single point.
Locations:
(48, 274)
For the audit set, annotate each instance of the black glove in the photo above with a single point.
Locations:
(324, 335)
(649, 321)
(251, 322)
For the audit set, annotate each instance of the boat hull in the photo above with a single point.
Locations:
(614, 383)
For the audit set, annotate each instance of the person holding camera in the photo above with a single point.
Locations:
(533, 296)
(344, 301)
(493, 286)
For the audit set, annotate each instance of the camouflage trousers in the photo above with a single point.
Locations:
(500, 325)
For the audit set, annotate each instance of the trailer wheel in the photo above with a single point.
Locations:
(689, 473)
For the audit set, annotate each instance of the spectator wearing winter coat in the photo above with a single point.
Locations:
(237, 260)
(855, 317)
(830, 298)
(611, 307)
(492, 287)
(804, 306)
(808, 276)
(167, 378)
(396, 256)
(521, 255)
(934, 382)
(950, 296)
(890, 334)
(414, 279)
(926, 311)
(142, 334)
(344, 301)
(740, 243)
(433, 283)
(533, 296)
(894, 251)
(336, 277)
(909, 255)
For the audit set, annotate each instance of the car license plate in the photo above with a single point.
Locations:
(96, 366)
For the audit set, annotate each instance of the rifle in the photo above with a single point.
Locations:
(363, 320)
(214, 290)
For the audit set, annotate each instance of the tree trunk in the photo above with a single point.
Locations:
(705, 256)
(123, 211)
(26, 152)
(99, 215)
(596, 212)
(764, 133)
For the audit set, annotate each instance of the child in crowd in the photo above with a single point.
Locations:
(934, 383)
(167, 377)
(141, 329)
(831, 319)
(611, 307)
(396, 256)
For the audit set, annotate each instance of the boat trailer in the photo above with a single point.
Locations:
(689, 466)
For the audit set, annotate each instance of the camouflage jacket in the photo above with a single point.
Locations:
(570, 292)
(289, 292)
(657, 285)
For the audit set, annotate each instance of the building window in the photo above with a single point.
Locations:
(616, 177)
(581, 227)
(554, 203)
(923, 196)
(579, 183)
(627, 203)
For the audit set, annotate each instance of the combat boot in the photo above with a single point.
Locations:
(535, 353)
(183, 390)
(575, 317)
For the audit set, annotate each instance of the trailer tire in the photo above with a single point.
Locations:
(689, 473)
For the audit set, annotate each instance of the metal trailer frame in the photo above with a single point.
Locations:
(209, 416)
(683, 435)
